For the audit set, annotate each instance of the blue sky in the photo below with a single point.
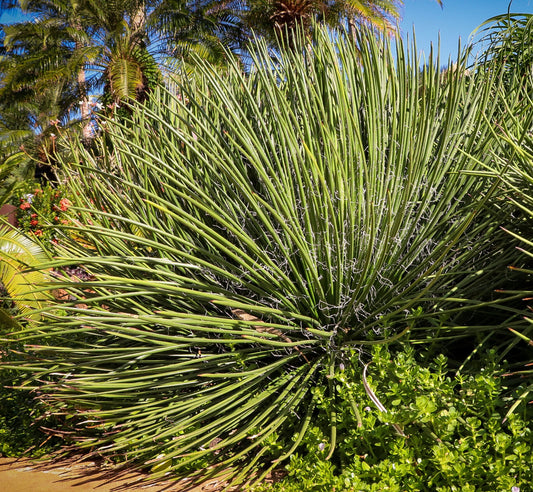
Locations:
(458, 18)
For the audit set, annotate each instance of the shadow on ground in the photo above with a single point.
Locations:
(23, 475)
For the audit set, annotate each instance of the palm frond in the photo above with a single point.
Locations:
(20, 259)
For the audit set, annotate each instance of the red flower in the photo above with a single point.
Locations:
(25, 206)
(56, 218)
(34, 222)
(38, 232)
(33, 216)
(64, 204)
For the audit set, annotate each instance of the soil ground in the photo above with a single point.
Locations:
(24, 475)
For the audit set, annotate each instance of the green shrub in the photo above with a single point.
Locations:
(20, 433)
(246, 232)
(22, 415)
(456, 436)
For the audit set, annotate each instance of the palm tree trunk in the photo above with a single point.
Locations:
(352, 27)
(84, 107)
(138, 20)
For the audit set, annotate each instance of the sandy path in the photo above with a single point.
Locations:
(30, 476)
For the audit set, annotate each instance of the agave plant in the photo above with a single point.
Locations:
(245, 232)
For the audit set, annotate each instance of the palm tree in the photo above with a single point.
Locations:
(34, 96)
(43, 77)
(56, 48)
(92, 47)
(207, 29)
(277, 19)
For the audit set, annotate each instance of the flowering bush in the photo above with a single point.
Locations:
(40, 210)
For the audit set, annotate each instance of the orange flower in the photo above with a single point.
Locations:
(64, 204)
(38, 232)
(25, 206)
(34, 222)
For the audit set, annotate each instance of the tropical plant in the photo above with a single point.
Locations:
(63, 54)
(20, 260)
(280, 20)
(31, 104)
(507, 40)
(205, 29)
(113, 42)
(43, 60)
(14, 130)
(246, 233)
(20, 435)
(13, 171)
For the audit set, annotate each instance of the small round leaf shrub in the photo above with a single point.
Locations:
(456, 437)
